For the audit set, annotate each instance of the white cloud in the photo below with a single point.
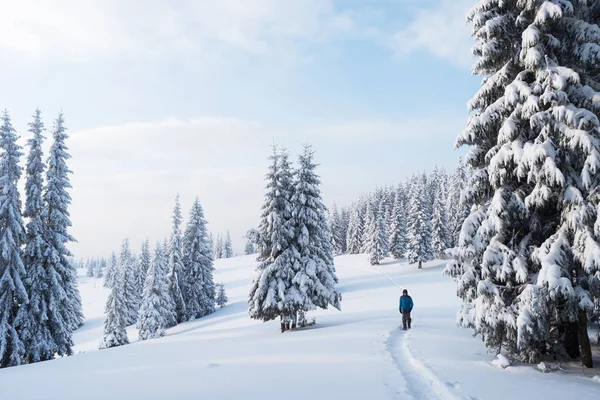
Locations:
(82, 30)
(441, 31)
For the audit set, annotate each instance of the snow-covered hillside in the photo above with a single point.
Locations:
(359, 353)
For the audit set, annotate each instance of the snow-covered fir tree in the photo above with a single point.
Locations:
(227, 246)
(12, 237)
(100, 268)
(419, 247)
(156, 310)
(458, 211)
(376, 241)
(112, 271)
(200, 288)
(398, 227)
(91, 267)
(56, 229)
(272, 293)
(176, 267)
(249, 249)
(337, 234)
(315, 275)
(528, 252)
(219, 247)
(115, 333)
(40, 325)
(439, 223)
(221, 295)
(355, 229)
(143, 265)
(129, 293)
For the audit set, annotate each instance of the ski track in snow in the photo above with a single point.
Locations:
(421, 382)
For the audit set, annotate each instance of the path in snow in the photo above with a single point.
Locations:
(421, 382)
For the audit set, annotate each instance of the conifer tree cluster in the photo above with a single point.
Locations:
(295, 273)
(94, 267)
(222, 248)
(417, 220)
(527, 264)
(160, 288)
(40, 306)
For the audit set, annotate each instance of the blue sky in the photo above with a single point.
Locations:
(164, 97)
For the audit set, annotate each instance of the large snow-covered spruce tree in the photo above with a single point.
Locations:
(40, 323)
(315, 276)
(176, 268)
(56, 230)
(200, 290)
(272, 293)
(157, 306)
(529, 251)
(12, 236)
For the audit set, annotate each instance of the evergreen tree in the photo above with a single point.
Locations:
(343, 228)
(157, 306)
(126, 272)
(100, 267)
(117, 312)
(527, 254)
(200, 288)
(272, 293)
(91, 268)
(398, 228)
(458, 211)
(419, 248)
(440, 234)
(228, 247)
(315, 276)
(12, 235)
(355, 229)
(219, 248)
(221, 295)
(376, 242)
(176, 266)
(112, 271)
(57, 222)
(213, 248)
(337, 234)
(249, 248)
(143, 265)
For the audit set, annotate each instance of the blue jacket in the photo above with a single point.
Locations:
(406, 303)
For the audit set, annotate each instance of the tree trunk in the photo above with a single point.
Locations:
(571, 341)
(420, 265)
(282, 320)
(584, 340)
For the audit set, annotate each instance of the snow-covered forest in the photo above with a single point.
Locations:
(419, 219)
(453, 273)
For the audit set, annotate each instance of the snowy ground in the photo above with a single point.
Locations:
(358, 353)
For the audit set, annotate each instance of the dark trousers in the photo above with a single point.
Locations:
(406, 319)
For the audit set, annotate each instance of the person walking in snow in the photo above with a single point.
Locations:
(405, 307)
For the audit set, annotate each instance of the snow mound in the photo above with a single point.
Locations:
(501, 361)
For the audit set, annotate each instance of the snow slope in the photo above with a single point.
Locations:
(358, 353)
